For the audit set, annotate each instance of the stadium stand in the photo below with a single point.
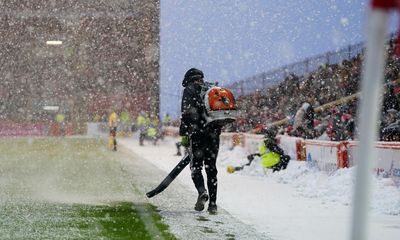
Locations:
(332, 89)
(109, 57)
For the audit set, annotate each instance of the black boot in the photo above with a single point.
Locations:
(201, 200)
(212, 208)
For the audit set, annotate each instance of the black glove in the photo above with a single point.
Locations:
(285, 161)
(276, 169)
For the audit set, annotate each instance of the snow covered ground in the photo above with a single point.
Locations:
(298, 203)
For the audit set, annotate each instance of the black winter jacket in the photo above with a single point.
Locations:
(273, 147)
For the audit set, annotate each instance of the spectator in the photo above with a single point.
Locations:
(390, 100)
(390, 126)
(304, 121)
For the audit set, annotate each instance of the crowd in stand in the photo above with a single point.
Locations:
(312, 107)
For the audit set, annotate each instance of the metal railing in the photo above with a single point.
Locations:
(276, 76)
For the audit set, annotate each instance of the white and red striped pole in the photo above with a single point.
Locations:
(369, 111)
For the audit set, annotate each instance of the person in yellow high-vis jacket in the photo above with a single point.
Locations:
(112, 124)
(272, 156)
(143, 123)
(60, 119)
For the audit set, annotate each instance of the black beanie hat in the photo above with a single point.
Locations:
(191, 75)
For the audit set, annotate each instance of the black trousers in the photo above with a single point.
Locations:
(282, 164)
(204, 149)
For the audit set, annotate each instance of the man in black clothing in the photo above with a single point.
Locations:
(203, 139)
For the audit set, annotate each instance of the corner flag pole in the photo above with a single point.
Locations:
(369, 112)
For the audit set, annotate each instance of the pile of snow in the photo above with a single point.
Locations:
(311, 183)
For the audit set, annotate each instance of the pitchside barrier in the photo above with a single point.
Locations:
(326, 155)
(323, 155)
(387, 163)
(293, 146)
(10, 129)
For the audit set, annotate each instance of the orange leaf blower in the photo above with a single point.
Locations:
(220, 105)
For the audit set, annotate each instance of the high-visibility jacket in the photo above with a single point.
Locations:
(167, 120)
(112, 120)
(268, 158)
(142, 120)
(151, 132)
(124, 117)
(60, 118)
